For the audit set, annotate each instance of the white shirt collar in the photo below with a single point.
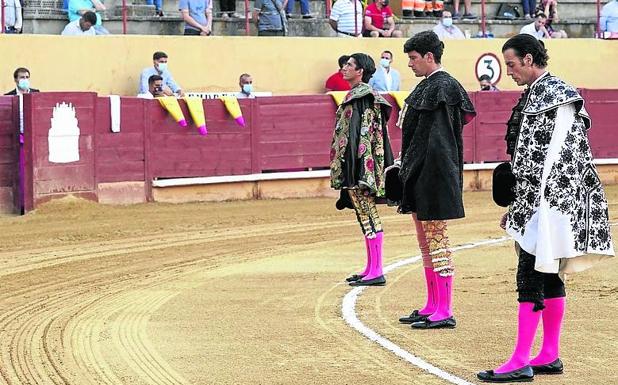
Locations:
(436, 71)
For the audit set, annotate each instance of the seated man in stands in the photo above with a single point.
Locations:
(335, 82)
(609, 19)
(445, 28)
(379, 21)
(155, 88)
(21, 76)
(246, 87)
(485, 84)
(77, 8)
(537, 28)
(159, 60)
(84, 26)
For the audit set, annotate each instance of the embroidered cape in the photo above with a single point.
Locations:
(360, 150)
(431, 172)
(560, 212)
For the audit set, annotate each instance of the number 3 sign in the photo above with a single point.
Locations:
(489, 64)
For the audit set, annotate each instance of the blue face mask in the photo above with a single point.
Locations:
(385, 63)
(162, 66)
(247, 88)
(447, 21)
(23, 84)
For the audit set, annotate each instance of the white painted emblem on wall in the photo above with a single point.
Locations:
(63, 135)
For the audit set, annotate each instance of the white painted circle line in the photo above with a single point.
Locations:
(348, 309)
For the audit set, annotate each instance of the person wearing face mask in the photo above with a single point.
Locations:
(155, 88)
(21, 76)
(159, 61)
(246, 87)
(485, 84)
(445, 28)
(379, 21)
(385, 78)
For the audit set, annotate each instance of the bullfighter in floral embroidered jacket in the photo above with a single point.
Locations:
(360, 152)
(559, 216)
(431, 175)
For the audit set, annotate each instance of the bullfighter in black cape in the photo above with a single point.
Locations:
(558, 215)
(360, 152)
(431, 174)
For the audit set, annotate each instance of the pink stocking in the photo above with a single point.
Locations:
(368, 265)
(552, 323)
(375, 247)
(526, 330)
(445, 298)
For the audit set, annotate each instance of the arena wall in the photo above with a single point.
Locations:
(285, 66)
(283, 151)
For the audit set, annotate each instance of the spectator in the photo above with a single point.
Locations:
(304, 8)
(246, 87)
(270, 17)
(445, 28)
(467, 5)
(346, 18)
(197, 15)
(549, 7)
(159, 60)
(77, 9)
(555, 33)
(12, 16)
(21, 76)
(379, 21)
(336, 82)
(84, 26)
(228, 9)
(426, 8)
(385, 78)
(609, 18)
(529, 8)
(537, 28)
(485, 84)
(158, 6)
(155, 88)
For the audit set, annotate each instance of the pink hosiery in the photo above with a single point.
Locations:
(368, 265)
(552, 324)
(528, 321)
(375, 247)
(432, 292)
(422, 242)
(444, 309)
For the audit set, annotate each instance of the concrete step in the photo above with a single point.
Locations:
(136, 10)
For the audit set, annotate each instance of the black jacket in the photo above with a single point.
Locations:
(14, 91)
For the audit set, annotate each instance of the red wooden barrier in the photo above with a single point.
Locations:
(281, 133)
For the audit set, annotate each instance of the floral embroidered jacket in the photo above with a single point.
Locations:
(360, 150)
(560, 211)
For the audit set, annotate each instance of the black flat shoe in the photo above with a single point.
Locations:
(448, 323)
(378, 281)
(556, 367)
(524, 374)
(354, 277)
(414, 317)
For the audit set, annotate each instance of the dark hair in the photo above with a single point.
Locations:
(524, 44)
(154, 78)
(20, 69)
(342, 60)
(540, 14)
(388, 52)
(90, 17)
(485, 77)
(366, 63)
(159, 55)
(243, 76)
(423, 42)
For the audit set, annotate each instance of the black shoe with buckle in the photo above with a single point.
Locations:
(447, 323)
(378, 281)
(414, 317)
(354, 277)
(555, 367)
(524, 374)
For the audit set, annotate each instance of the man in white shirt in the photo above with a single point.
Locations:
(342, 18)
(385, 78)
(246, 87)
(445, 28)
(12, 16)
(537, 29)
(155, 88)
(82, 26)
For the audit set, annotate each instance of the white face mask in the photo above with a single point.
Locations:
(385, 63)
(447, 21)
(162, 66)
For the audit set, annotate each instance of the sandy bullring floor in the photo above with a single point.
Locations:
(251, 292)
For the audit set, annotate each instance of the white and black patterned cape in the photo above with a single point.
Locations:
(560, 212)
